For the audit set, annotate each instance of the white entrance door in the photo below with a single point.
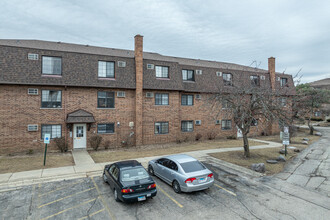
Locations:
(79, 136)
(239, 132)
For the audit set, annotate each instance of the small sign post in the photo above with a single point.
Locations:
(286, 139)
(46, 141)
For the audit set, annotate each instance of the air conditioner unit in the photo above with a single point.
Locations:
(121, 64)
(198, 96)
(33, 56)
(150, 66)
(199, 72)
(198, 122)
(278, 78)
(32, 127)
(262, 77)
(217, 122)
(32, 91)
(219, 73)
(149, 94)
(121, 94)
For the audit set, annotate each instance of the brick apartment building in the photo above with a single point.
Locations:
(135, 97)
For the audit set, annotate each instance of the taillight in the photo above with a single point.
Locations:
(127, 190)
(210, 175)
(152, 186)
(190, 180)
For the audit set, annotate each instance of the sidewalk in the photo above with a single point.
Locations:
(85, 166)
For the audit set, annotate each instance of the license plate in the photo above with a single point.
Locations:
(148, 195)
(141, 198)
(202, 180)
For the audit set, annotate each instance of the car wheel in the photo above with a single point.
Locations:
(105, 179)
(116, 195)
(151, 170)
(176, 186)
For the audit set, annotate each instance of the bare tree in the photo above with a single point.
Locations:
(248, 104)
(308, 101)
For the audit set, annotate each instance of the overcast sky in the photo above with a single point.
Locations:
(296, 32)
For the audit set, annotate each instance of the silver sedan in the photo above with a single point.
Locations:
(182, 172)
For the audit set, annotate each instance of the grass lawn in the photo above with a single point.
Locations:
(163, 149)
(261, 155)
(10, 164)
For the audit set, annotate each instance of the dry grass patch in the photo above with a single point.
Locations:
(9, 164)
(261, 155)
(164, 149)
(295, 141)
(257, 156)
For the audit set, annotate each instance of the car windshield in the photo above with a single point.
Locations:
(192, 166)
(133, 174)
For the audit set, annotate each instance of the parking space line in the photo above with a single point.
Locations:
(94, 213)
(230, 192)
(65, 210)
(166, 194)
(102, 199)
(65, 197)
(60, 188)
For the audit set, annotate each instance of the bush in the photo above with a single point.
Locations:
(316, 119)
(95, 141)
(211, 135)
(198, 137)
(107, 144)
(61, 144)
(328, 120)
(178, 141)
(30, 151)
(232, 137)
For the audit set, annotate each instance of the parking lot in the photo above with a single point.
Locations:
(91, 198)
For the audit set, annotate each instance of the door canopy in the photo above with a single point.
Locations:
(80, 116)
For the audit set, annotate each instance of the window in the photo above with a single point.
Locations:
(106, 128)
(32, 91)
(283, 101)
(226, 124)
(198, 96)
(161, 99)
(192, 166)
(255, 81)
(161, 128)
(188, 75)
(317, 114)
(187, 99)
(51, 99)
(254, 122)
(187, 126)
(105, 99)
(162, 72)
(226, 104)
(284, 81)
(51, 65)
(227, 79)
(149, 94)
(134, 174)
(106, 69)
(55, 131)
(171, 165)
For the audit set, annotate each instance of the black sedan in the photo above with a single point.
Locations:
(129, 181)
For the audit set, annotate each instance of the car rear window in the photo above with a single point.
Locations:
(192, 166)
(133, 174)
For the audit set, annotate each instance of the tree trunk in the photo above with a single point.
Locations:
(311, 128)
(246, 145)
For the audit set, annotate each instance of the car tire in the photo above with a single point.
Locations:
(151, 170)
(116, 195)
(176, 186)
(105, 179)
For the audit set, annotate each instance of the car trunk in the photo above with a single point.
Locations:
(138, 185)
(201, 176)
